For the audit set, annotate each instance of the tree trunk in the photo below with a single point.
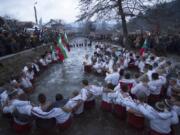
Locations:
(124, 24)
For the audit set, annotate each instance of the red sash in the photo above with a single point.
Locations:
(135, 121)
(21, 129)
(130, 85)
(89, 104)
(106, 106)
(120, 111)
(66, 124)
(152, 132)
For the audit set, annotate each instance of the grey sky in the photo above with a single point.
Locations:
(47, 9)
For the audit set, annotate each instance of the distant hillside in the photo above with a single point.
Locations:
(164, 17)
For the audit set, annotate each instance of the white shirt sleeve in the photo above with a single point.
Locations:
(3, 97)
(8, 109)
(151, 86)
(146, 111)
(129, 104)
(174, 119)
(135, 89)
(96, 90)
(21, 103)
(117, 88)
(84, 94)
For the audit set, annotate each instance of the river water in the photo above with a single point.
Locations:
(66, 77)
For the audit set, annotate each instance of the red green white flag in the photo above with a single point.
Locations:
(62, 47)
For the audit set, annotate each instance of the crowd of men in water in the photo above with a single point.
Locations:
(137, 88)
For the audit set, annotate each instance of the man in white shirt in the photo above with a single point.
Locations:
(26, 83)
(42, 61)
(141, 65)
(127, 81)
(87, 64)
(160, 119)
(23, 107)
(48, 58)
(106, 103)
(21, 111)
(75, 103)
(142, 86)
(17, 88)
(63, 118)
(87, 96)
(156, 84)
(3, 96)
(113, 78)
(150, 72)
(98, 66)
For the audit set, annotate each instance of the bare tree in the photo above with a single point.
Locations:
(115, 9)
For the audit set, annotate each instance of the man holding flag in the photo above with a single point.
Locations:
(144, 47)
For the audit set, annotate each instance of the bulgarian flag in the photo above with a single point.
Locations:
(144, 47)
(65, 41)
(62, 47)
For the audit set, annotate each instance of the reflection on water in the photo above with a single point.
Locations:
(66, 77)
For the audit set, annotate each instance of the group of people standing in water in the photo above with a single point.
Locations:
(139, 87)
(136, 88)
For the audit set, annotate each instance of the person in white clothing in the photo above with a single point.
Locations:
(87, 60)
(98, 67)
(171, 83)
(118, 97)
(25, 69)
(112, 78)
(43, 103)
(17, 88)
(87, 64)
(126, 62)
(87, 96)
(30, 74)
(141, 65)
(35, 67)
(175, 99)
(135, 117)
(75, 103)
(127, 81)
(63, 118)
(106, 103)
(150, 72)
(150, 60)
(26, 83)
(160, 118)
(156, 84)
(23, 107)
(21, 113)
(142, 86)
(48, 58)
(3, 97)
(42, 61)
(173, 104)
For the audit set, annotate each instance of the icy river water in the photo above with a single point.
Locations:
(66, 77)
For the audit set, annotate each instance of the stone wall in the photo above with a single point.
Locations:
(13, 64)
